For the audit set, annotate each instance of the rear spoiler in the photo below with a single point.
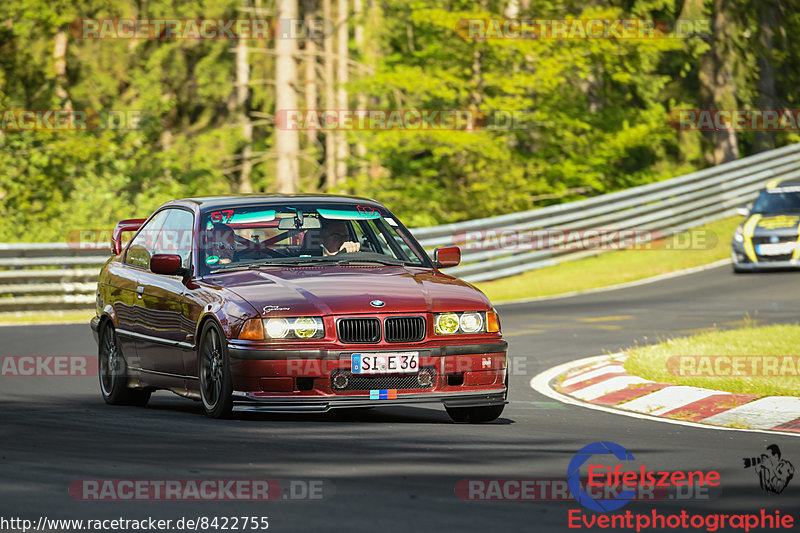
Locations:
(130, 224)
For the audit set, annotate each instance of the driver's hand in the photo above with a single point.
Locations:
(350, 247)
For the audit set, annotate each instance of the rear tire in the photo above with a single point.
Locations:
(112, 370)
(214, 373)
(475, 415)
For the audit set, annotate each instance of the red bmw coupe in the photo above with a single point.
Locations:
(292, 303)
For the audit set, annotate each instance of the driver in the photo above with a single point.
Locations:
(222, 242)
(335, 238)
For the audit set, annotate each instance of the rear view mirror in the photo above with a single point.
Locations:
(447, 257)
(307, 223)
(742, 211)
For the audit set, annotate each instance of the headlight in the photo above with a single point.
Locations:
(446, 323)
(300, 328)
(465, 322)
(277, 328)
(308, 328)
(471, 322)
(737, 235)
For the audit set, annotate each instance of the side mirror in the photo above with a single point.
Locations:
(742, 211)
(168, 264)
(447, 257)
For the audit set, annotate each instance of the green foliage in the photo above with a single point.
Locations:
(590, 115)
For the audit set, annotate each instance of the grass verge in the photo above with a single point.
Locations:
(768, 366)
(696, 247)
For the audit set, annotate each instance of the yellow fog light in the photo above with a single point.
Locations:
(446, 324)
(306, 327)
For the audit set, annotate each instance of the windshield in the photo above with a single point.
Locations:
(775, 200)
(255, 236)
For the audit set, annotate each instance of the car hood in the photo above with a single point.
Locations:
(775, 224)
(344, 290)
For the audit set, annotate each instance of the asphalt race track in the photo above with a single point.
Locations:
(393, 469)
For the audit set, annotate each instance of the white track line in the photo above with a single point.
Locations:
(541, 384)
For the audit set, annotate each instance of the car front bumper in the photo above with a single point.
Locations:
(250, 402)
(462, 375)
(742, 262)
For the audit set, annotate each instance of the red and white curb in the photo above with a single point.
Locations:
(602, 383)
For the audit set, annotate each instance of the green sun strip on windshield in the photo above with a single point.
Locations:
(253, 216)
(347, 214)
(228, 217)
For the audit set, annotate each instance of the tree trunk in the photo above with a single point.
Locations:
(717, 89)
(310, 7)
(243, 109)
(342, 150)
(330, 99)
(287, 142)
(60, 68)
(767, 21)
(361, 99)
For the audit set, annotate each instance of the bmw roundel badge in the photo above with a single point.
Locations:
(377, 303)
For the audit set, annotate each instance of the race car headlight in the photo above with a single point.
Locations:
(308, 328)
(277, 328)
(738, 236)
(445, 324)
(300, 328)
(471, 322)
(465, 322)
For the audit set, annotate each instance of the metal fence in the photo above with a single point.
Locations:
(667, 206)
(59, 276)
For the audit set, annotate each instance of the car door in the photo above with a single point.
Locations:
(165, 326)
(125, 278)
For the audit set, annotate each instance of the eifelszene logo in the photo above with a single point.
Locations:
(773, 472)
(624, 482)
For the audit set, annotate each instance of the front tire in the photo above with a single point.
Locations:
(112, 370)
(214, 373)
(475, 415)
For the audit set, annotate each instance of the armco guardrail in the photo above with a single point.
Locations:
(49, 276)
(667, 206)
(63, 276)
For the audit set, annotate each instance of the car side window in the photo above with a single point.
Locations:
(143, 245)
(175, 236)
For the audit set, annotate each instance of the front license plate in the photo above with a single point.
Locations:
(779, 248)
(384, 363)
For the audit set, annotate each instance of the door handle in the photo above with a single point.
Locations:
(139, 291)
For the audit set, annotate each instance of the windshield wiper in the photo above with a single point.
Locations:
(369, 261)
